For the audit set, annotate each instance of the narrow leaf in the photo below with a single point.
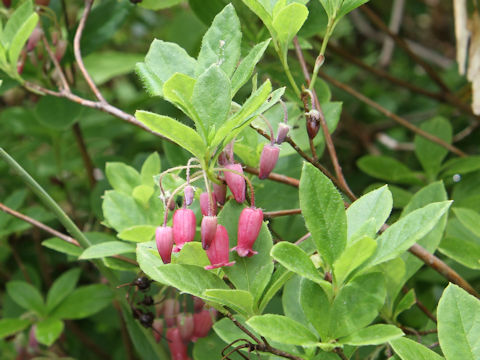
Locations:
(411, 350)
(26, 295)
(372, 335)
(106, 249)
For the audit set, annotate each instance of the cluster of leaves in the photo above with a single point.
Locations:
(337, 291)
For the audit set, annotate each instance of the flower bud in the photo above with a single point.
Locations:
(202, 324)
(189, 193)
(34, 38)
(171, 204)
(235, 182)
(249, 225)
(282, 132)
(219, 249)
(185, 325)
(205, 204)
(171, 308)
(184, 227)
(313, 123)
(220, 192)
(158, 329)
(164, 240)
(268, 160)
(208, 230)
(198, 304)
(178, 350)
(60, 49)
(7, 3)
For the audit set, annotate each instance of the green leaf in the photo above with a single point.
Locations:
(408, 230)
(122, 211)
(84, 302)
(357, 304)
(291, 304)
(62, 246)
(48, 331)
(348, 6)
(21, 38)
(459, 324)
(296, 260)
(211, 98)
(373, 335)
(258, 8)
(239, 300)
(16, 21)
(377, 204)
(157, 5)
(282, 329)
(181, 134)
(428, 153)
(407, 301)
(122, 177)
(143, 193)
(462, 166)
(106, 65)
(288, 22)
(411, 350)
(469, 218)
(62, 287)
(12, 326)
(150, 168)
(192, 254)
(65, 115)
(138, 233)
(26, 295)
(190, 279)
(249, 273)
(330, 6)
(316, 306)
(387, 168)
(462, 250)
(108, 248)
(235, 124)
(162, 61)
(279, 278)
(324, 212)
(179, 90)
(353, 256)
(221, 43)
(245, 69)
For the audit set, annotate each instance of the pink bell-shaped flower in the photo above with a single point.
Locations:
(157, 329)
(249, 225)
(202, 324)
(189, 192)
(205, 204)
(184, 226)
(164, 240)
(185, 324)
(178, 349)
(235, 182)
(282, 132)
(220, 192)
(198, 304)
(208, 230)
(171, 308)
(219, 249)
(268, 160)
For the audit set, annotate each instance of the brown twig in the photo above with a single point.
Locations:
(87, 160)
(272, 214)
(403, 44)
(340, 353)
(78, 53)
(326, 133)
(53, 231)
(442, 268)
(392, 116)
(274, 176)
(56, 64)
(422, 307)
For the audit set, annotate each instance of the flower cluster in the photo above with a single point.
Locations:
(214, 236)
(182, 327)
